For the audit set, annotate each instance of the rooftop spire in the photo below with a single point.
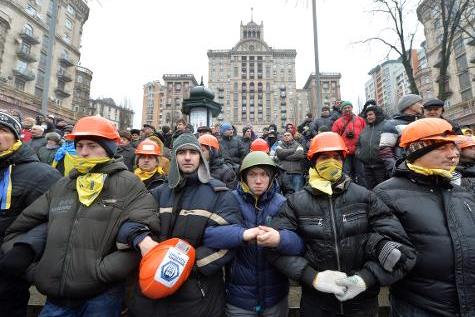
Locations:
(252, 14)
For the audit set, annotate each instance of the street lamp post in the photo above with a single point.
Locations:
(317, 66)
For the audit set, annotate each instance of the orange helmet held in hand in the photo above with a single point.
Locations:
(147, 147)
(326, 142)
(427, 129)
(165, 268)
(209, 140)
(259, 145)
(95, 126)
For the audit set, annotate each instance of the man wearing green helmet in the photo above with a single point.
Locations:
(253, 286)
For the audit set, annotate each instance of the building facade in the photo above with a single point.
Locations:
(329, 91)
(24, 27)
(423, 74)
(82, 92)
(122, 116)
(254, 82)
(162, 102)
(387, 84)
(460, 102)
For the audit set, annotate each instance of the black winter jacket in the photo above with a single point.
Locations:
(224, 172)
(128, 154)
(367, 148)
(468, 176)
(323, 122)
(30, 179)
(340, 233)
(231, 149)
(439, 219)
(185, 212)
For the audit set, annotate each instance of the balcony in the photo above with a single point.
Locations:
(25, 55)
(472, 59)
(25, 74)
(64, 76)
(66, 61)
(29, 38)
(61, 92)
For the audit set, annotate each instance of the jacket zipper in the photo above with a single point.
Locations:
(468, 206)
(67, 259)
(335, 237)
(319, 221)
(370, 143)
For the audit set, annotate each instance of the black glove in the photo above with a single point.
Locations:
(17, 260)
(389, 255)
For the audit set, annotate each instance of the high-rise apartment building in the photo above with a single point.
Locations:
(329, 91)
(254, 82)
(24, 28)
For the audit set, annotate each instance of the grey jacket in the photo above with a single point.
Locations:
(290, 156)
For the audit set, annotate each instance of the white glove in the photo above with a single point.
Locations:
(354, 285)
(325, 282)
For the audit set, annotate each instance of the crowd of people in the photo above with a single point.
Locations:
(169, 222)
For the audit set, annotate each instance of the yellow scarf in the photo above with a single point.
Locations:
(431, 171)
(6, 180)
(143, 175)
(84, 165)
(68, 163)
(89, 185)
(325, 174)
(12, 149)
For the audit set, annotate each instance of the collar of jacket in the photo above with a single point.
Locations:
(113, 166)
(265, 197)
(431, 180)
(23, 155)
(466, 169)
(338, 188)
(405, 117)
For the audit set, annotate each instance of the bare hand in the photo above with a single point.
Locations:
(268, 237)
(250, 234)
(146, 245)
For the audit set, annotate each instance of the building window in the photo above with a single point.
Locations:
(464, 81)
(28, 29)
(19, 84)
(31, 11)
(67, 38)
(38, 92)
(70, 10)
(467, 95)
(68, 24)
(40, 78)
(25, 48)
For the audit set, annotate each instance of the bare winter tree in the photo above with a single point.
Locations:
(448, 14)
(467, 25)
(399, 36)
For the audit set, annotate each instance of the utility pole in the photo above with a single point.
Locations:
(318, 96)
(49, 56)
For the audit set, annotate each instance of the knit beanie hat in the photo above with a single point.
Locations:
(420, 148)
(53, 136)
(225, 126)
(108, 145)
(11, 123)
(186, 141)
(407, 100)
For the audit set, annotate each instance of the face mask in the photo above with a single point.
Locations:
(84, 165)
(330, 169)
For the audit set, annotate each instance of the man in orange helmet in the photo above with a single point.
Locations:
(438, 218)
(148, 164)
(466, 166)
(353, 244)
(81, 271)
(218, 168)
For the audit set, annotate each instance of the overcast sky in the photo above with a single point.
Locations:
(127, 43)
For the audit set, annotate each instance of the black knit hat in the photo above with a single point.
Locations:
(108, 145)
(11, 123)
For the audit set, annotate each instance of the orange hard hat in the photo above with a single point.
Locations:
(94, 126)
(147, 147)
(326, 142)
(209, 140)
(465, 141)
(165, 268)
(259, 145)
(427, 129)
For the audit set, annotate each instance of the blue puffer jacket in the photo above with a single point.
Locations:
(253, 283)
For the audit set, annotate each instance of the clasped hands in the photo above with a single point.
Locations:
(344, 287)
(263, 235)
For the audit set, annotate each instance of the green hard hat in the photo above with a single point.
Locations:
(254, 159)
